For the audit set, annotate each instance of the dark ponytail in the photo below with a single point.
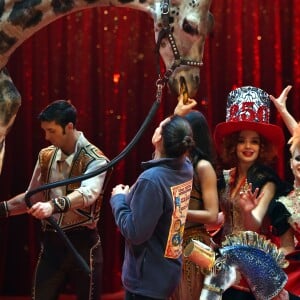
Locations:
(177, 137)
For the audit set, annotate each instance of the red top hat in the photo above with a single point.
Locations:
(248, 108)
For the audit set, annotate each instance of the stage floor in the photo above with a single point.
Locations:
(113, 296)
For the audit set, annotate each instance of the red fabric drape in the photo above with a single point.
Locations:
(104, 60)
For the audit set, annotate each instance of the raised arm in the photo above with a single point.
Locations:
(280, 104)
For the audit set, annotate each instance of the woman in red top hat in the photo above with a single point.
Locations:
(248, 146)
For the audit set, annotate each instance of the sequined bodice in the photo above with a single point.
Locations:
(232, 213)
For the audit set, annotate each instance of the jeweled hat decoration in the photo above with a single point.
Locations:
(248, 108)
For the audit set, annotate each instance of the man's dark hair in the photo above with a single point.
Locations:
(61, 112)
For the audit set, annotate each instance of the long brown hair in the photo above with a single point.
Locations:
(267, 153)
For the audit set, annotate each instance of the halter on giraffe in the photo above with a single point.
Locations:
(181, 48)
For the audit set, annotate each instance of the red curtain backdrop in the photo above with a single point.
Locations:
(104, 60)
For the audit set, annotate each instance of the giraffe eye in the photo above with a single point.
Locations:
(188, 28)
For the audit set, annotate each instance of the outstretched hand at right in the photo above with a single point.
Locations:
(280, 102)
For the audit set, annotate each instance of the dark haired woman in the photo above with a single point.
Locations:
(203, 205)
(248, 145)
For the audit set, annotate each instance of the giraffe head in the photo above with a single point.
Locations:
(190, 21)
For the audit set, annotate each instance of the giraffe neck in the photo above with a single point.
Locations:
(22, 19)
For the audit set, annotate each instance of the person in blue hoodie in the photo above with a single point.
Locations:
(151, 214)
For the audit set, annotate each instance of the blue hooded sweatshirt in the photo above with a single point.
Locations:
(151, 218)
